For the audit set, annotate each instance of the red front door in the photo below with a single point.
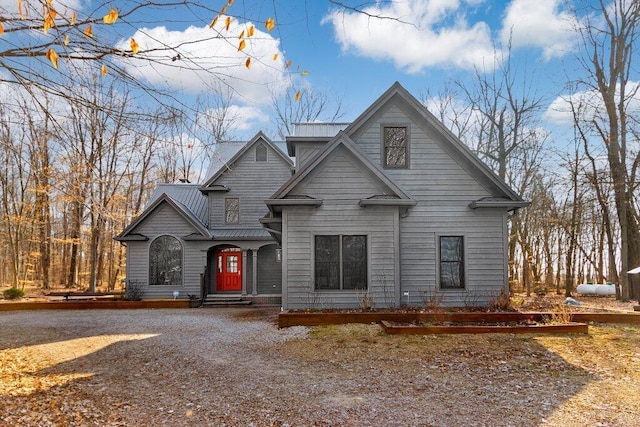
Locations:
(229, 270)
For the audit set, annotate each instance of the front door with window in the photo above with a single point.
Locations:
(229, 270)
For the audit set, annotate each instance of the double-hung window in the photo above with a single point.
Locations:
(341, 262)
(451, 262)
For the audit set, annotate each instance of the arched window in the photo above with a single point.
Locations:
(165, 261)
(261, 153)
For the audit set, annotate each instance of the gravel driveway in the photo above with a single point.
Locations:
(230, 367)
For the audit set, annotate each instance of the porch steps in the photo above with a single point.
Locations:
(224, 300)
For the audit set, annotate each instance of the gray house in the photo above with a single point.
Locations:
(391, 209)
(207, 238)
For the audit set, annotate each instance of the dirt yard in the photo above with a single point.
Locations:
(228, 367)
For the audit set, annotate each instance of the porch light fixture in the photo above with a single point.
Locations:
(278, 254)
(175, 294)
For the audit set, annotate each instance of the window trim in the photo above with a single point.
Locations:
(465, 262)
(266, 152)
(407, 157)
(226, 199)
(151, 242)
(341, 261)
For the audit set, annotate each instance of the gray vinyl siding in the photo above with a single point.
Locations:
(166, 221)
(305, 152)
(269, 271)
(341, 182)
(443, 189)
(251, 182)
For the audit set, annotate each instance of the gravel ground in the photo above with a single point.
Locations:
(230, 367)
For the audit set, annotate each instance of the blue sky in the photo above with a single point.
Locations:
(348, 55)
(355, 57)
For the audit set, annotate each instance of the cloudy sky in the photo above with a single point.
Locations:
(356, 57)
(349, 55)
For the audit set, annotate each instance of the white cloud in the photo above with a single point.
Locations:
(248, 117)
(539, 23)
(589, 104)
(200, 58)
(440, 35)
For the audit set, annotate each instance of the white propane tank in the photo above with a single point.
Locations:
(586, 289)
(605, 289)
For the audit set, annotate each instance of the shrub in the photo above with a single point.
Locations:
(501, 302)
(134, 291)
(13, 293)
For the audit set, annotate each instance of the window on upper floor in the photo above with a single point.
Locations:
(340, 262)
(261, 153)
(231, 210)
(395, 146)
(451, 268)
(165, 261)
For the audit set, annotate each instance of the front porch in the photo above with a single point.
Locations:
(242, 270)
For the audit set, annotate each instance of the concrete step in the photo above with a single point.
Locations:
(224, 300)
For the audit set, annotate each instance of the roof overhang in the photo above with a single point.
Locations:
(278, 204)
(215, 187)
(499, 204)
(387, 202)
(290, 140)
(132, 238)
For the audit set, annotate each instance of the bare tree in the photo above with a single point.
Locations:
(609, 43)
(303, 106)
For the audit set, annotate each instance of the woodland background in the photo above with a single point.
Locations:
(82, 148)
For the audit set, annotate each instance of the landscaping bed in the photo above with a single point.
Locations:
(286, 319)
(484, 328)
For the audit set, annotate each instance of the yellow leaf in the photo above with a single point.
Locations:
(74, 16)
(241, 36)
(288, 64)
(275, 56)
(242, 45)
(20, 10)
(103, 70)
(251, 31)
(48, 23)
(1, 28)
(247, 63)
(53, 57)
(111, 17)
(297, 98)
(270, 23)
(305, 73)
(214, 22)
(135, 47)
(223, 10)
(88, 31)
(227, 22)
(230, 2)
(66, 40)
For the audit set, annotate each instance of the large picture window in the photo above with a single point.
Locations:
(165, 261)
(340, 262)
(451, 262)
(395, 146)
(232, 211)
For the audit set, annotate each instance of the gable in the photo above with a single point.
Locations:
(164, 220)
(341, 175)
(246, 160)
(164, 216)
(430, 144)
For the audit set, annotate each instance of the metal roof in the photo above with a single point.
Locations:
(317, 129)
(187, 195)
(239, 233)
